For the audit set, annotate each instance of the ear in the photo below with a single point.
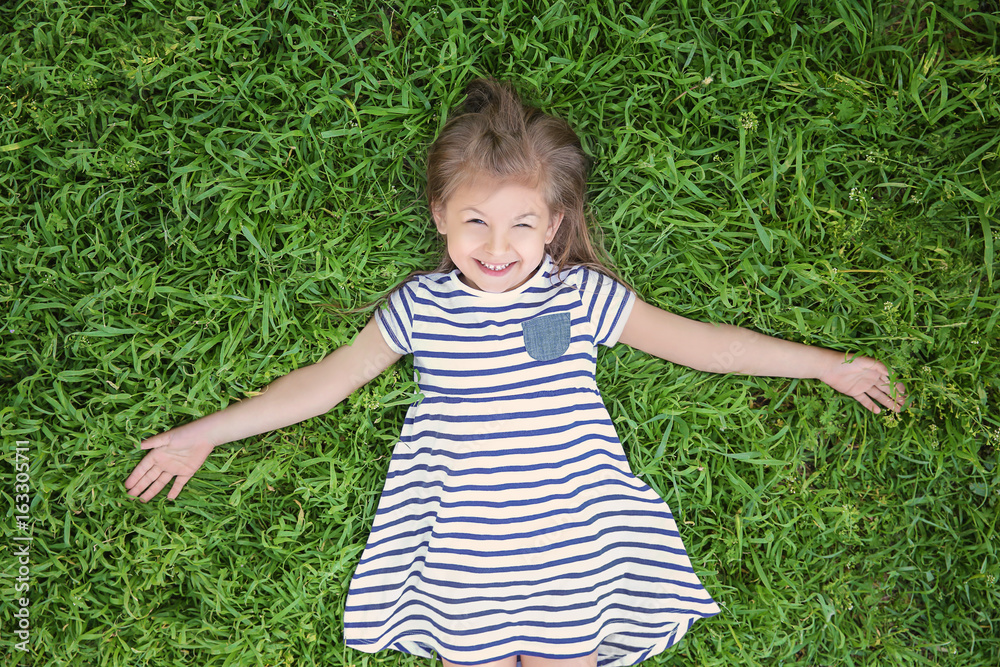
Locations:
(437, 211)
(554, 223)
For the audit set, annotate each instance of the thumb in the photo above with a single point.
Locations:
(158, 440)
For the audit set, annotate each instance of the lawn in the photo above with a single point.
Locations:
(186, 186)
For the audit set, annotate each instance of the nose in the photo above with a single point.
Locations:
(498, 244)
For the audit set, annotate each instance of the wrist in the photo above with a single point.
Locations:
(205, 430)
(830, 365)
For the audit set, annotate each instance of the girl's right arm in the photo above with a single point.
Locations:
(303, 393)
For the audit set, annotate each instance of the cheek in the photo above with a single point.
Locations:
(459, 241)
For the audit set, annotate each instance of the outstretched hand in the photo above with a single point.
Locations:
(867, 381)
(176, 453)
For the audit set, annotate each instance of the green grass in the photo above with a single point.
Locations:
(183, 186)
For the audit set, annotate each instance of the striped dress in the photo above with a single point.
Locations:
(510, 522)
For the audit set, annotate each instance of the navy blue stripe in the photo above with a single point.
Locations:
(371, 646)
(543, 620)
(660, 515)
(544, 293)
(525, 518)
(495, 470)
(388, 329)
(523, 384)
(579, 490)
(519, 568)
(505, 370)
(462, 293)
(614, 322)
(529, 433)
(493, 488)
(658, 626)
(451, 324)
(601, 334)
(627, 648)
(435, 548)
(588, 392)
(416, 450)
(478, 308)
(428, 354)
(670, 642)
(519, 535)
(542, 609)
(520, 414)
(401, 323)
(424, 451)
(421, 574)
(502, 600)
(407, 324)
(450, 338)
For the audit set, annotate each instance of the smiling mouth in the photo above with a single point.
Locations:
(495, 267)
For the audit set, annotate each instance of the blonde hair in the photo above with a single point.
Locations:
(496, 136)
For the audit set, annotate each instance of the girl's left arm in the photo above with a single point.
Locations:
(723, 348)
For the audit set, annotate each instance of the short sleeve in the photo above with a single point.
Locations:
(395, 319)
(607, 303)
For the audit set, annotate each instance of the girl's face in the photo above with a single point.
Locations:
(496, 232)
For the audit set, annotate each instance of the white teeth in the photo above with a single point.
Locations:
(496, 267)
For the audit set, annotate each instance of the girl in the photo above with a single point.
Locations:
(510, 525)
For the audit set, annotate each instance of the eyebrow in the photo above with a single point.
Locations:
(520, 217)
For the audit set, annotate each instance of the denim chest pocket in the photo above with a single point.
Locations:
(546, 337)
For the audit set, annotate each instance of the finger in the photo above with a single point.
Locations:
(894, 393)
(151, 476)
(867, 402)
(890, 397)
(179, 483)
(158, 440)
(898, 394)
(884, 399)
(155, 487)
(139, 472)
